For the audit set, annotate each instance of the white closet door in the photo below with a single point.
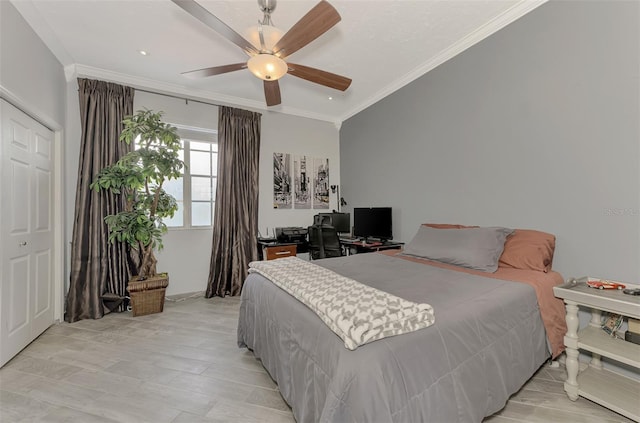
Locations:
(26, 220)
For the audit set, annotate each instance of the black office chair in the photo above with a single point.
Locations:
(324, 242)
(315, 242)
(322, 220)
(330, 241)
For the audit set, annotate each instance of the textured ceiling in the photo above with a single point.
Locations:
(381, 45)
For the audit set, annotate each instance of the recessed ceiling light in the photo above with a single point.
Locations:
(143, 52)
(330, 98)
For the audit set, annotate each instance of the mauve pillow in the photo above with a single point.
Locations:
(473, 248)
(529, 250)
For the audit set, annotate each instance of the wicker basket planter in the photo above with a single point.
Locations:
(147, 296)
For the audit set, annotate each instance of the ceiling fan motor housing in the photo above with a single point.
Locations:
(267, 6)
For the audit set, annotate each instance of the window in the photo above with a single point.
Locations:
(195, 191)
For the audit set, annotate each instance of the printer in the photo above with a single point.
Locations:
(293, 235)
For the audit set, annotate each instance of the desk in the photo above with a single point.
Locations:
(271, 252)
(269, 249)
(355, 246)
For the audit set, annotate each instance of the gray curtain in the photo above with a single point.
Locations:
(99, 270)
(235, 226)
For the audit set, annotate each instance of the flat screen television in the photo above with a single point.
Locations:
(340, 221)
(372, 222)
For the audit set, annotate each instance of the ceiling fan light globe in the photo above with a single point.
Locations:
(270, 33)
(267, 67)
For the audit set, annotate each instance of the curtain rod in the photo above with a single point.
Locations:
(186, 99)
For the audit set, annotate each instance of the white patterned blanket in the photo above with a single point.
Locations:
(357, 313)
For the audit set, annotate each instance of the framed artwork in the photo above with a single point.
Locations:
(282, 181)
(320, 183)
(302, 182)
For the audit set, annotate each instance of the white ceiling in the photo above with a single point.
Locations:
(381, 45)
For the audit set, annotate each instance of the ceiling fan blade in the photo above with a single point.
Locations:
(216, 70)
(272, 93)
(212, 21)
(312, 25)
(318, 76)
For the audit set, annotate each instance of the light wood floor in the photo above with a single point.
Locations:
(183, 365)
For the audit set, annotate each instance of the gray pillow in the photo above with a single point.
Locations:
(473, 248)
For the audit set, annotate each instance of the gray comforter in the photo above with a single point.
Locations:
(488, 339)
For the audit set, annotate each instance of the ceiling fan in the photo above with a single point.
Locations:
(267, 62)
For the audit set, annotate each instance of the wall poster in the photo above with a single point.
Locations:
(282, 181)
(301, 182)
(320, 183)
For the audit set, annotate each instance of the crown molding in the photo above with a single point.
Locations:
(30, 13)
(28, 10)
(190, 94)
(496, 24)
(70, 73)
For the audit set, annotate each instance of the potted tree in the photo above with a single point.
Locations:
(139, 176)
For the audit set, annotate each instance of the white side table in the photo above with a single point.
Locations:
(612, 390)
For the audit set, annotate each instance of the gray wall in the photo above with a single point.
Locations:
(28, 69)
(534, 127)
(298, 136)
(32, 79)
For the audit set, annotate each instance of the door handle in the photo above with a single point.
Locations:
(22, 244)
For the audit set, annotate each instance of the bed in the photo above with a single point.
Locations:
(492, 332)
